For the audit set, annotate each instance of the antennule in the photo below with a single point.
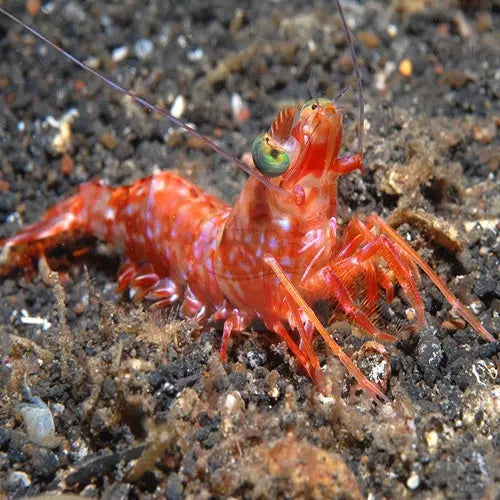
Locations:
(361, 133)
(151, 107)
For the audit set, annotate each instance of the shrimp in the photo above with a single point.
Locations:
(276, 253)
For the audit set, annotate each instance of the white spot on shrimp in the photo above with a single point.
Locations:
(110, 214)
(287, 261)
(273, 244)
(284, 224)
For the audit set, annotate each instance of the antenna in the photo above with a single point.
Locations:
(361, 133)
(152, 107)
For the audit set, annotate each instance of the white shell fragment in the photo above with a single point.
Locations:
(143, 48)
(120, 53)
(178, 107)
(38, 421)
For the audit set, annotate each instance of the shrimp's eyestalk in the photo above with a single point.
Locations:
(361, 133)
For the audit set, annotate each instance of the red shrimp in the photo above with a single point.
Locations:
(272, 256)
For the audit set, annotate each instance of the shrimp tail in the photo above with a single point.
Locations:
(66, 221)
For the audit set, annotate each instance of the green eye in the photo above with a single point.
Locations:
(269, 160)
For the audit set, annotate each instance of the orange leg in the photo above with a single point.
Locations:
(305, 338)
(363, 382)
(356, 228)
(381, 246)
(376, 221)
(313, 371)
(386, 283)
(355, 313)
(371, 283)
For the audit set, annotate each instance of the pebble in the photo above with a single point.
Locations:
(413, 481)
(255, 358)
(239, 108)
(16, 480)
(406, 67)
(143, 49)
(109, 141)
(369, 39)
(195, 54)
(45, 463)
(457, 78)
(432, 439)
(484, 133)
(38, 421)
(484, 22)
(33, 7)
(392, 30)
(233, 403)
(429, 356)
(120, 53)
(485, 286)
(67, 164)
(345, 64)
(174, 487)
(178, 107)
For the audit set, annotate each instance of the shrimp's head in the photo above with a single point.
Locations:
(301, 148)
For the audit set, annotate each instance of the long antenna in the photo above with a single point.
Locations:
(361, 133)
(151, 107)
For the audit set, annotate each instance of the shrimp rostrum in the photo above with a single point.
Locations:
(272, 256)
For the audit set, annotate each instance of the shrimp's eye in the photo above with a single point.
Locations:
(315, 103)
(270, 160)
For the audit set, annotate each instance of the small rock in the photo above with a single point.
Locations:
(143, 49)
(120, 53)
(369, 39)
(345, 64)
(38, 421)
(45, 464)
(17, 480)
(233, 403)
(372, 359)
(406, 67)
(463, 27)
(33, 7)
(255, 358)
(174, 487)
(239, 108)
(457, 78)
(178, 107)
(485, 286)
(413, 481)
(429, 356)
(484, 133)
(67, 164)
(484, 22)
(432, 439)
(108, 141)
